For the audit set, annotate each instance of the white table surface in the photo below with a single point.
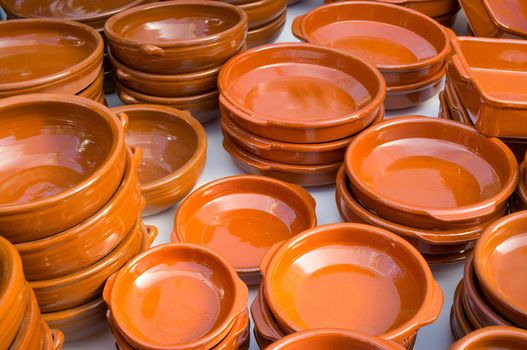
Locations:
(434, 337)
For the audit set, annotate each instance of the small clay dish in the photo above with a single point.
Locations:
(286, 152)
(175, 145)
(489, 18)
(53, 338)
(203, 107)
(95, 89)
(503, 338)
(208, 31)
(67, 159)
(499, 260)
(241, 217)
(303, 175)
(343, 276)
(91, 240)
(431, 8)
(262, 12)
(459, 323)
(72, 53)
(29, 335)
(330, 94)
(268, 33)
(86, 285)
(393, 167)
(198, 286)
(405, 45)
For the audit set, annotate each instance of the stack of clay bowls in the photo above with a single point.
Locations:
(408, 48)
(51, 56)
(178, 296)
(503, 338)
(492, 291)
(434, 182)
(20, 320)
(71, 203)
(290, 110)
(346, 276)
(172, 67)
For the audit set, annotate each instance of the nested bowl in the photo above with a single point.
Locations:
(505, 338)
(267, 33)
(95, 90)
(30, 333)
(209, 32)
(262, 12)
(459, 323)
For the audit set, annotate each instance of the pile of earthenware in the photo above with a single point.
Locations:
(20, 320)
(290, 110)
(436, 183)
(318, 279)
(178, 296)
(71, 202)
(179, 67)
(492, 291)
(408, 48)
(506, 338)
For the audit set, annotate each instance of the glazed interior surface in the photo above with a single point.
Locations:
(430, 165)
(174, 296)
(50, 147)
(66, 9)
(168, 142)
(242, 220)
(57, 46)
(348, 280)
(511, 13)
(176, 22)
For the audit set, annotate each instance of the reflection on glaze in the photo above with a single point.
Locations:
(66, 8)
(513, 88)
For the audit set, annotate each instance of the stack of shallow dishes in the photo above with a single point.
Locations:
(178, 296)
(52, 56)
(491, 292)
(71, 203)
(409, 48)
(503, 338)
(346, 276)
(404, 175)
(290, 110)
(20, 320)
(179, 67)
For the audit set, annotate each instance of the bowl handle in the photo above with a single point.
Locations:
(268, 256)
(459, 68)
(58, 339)
(152, 50)
(483, 210)
(297, 29)
(238, 153)
(151, 232)
(123, 76)
(138, 155)
(305, 195)
(432, 311)
(129, 100)
(260, 322)
(240, 304)
(228, 107)
(108, 287)
(123, 118)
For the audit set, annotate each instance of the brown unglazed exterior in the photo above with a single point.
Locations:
(431, 8)
(262, 12)
(506, 338)
(266, 34)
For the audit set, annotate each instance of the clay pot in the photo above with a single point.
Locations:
(506, 338)
(267, 33)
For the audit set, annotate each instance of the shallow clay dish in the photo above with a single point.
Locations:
(503, 338)
(393, 167)
(175, 147)
(262, 12)
(431, 8)
(268, 33)
(405, 45)
(494, 18)
(199, 288)
(208, 31)
(329, 94)
(241, 217)
(29, 335)
(72, 52)
(343, 277)
(499, 261)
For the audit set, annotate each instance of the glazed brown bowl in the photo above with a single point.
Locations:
(175, 145)
(199, 287)
(241, 217)
(67, 159)
(329, 93)
(30, 333)
(262, 12)
(135, 39)
(393, 167)
(431, 8)
(405, 45)
(266, 34)
(86, 243)
(72, 53)
(504, 338)
(343, 276)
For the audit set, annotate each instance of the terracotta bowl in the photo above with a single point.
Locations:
(431, 8)
(135, 40)
(199, 287)
(86, 285)
(405, 45)
(175, 145)
(241, 217)
(268, 33)
(499, 260)
(329, 94)
(459, 324)
(29, 335)
(394, 165)
(91, 240)
(303, 175)
(67, 159)
(503, 338)
(262, 12)
(343, 277)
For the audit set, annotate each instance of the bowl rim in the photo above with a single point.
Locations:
(489, 332)
(499, 23)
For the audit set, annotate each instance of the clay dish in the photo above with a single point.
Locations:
(208, 31)
(393, 166)
(175, 147)
(175, 277)
(30, 333)
(72, 52)
(268, 33)
(344, 277)
(262, 12)
(499, 260)
(241, 217)
(431, 8)
(330, 94)
(487, 18)
(503, 338)
(405, 45)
